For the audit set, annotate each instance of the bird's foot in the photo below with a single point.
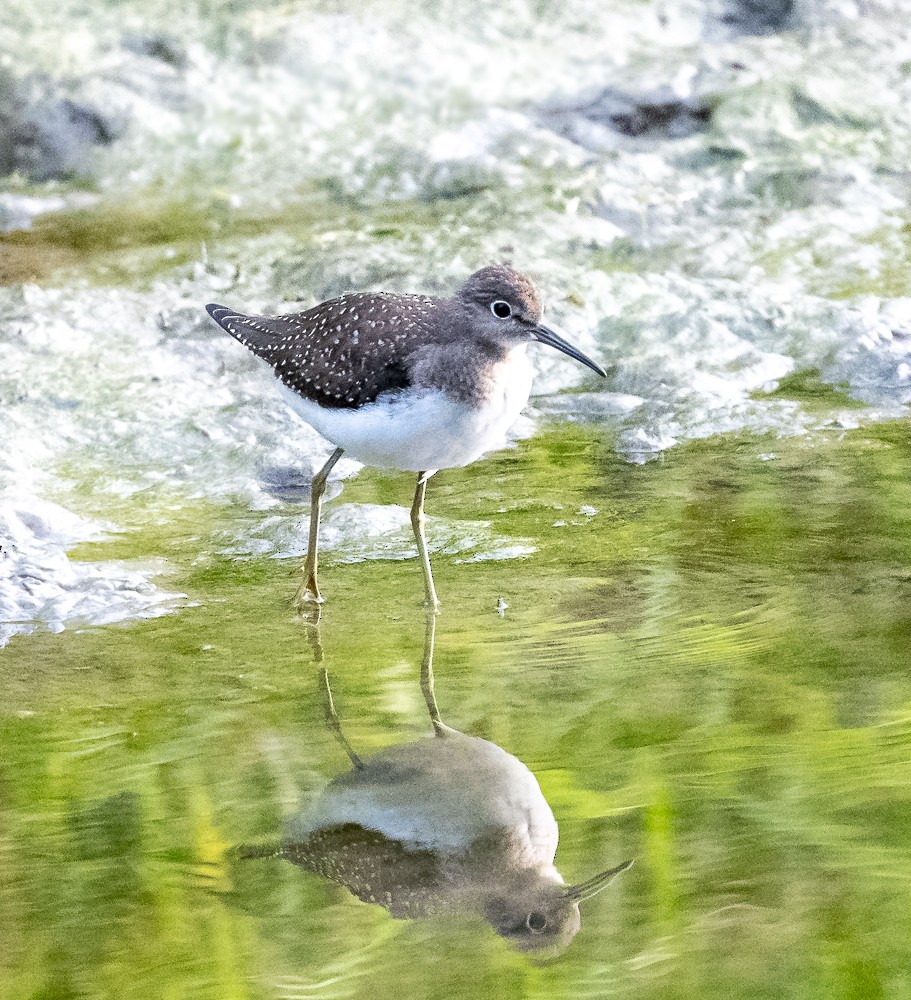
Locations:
(307, 595)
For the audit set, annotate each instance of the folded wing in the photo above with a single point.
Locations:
(342, 353)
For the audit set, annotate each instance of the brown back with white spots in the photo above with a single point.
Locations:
(344, 352)
(406, 880)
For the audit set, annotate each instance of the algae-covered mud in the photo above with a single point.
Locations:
(711, 195)
(681, 599)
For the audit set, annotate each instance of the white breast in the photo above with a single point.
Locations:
(424, 431)
(442, 793)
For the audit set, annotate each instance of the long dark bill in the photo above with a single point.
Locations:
(585, 890)
(551, 337)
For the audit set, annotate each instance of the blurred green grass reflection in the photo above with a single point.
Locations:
(709, 675)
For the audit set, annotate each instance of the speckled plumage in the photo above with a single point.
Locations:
(442, 825)
(426, 827)
(407, 382)
(406, 880)
(344, 352)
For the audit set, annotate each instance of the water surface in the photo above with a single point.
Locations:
(706, 671)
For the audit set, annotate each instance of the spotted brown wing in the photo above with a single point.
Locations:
(407, 881)
(342, 353)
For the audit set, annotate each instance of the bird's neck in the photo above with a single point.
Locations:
(471, 371)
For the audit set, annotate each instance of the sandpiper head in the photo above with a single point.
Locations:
(535, 911)
(504, 305)
(538, 917)
(503, 292)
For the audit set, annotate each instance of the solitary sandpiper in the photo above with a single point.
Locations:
(447, 824)
(410, 382)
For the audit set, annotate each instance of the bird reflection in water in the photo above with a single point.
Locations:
(446, 824)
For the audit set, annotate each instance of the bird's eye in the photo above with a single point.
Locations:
(536, 922)
(501, 309)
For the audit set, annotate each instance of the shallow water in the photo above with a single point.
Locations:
(707, 675)
(704, 658)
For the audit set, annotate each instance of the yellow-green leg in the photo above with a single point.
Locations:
(430, 626)
(418, 521)
(311, 622)
(308, 592)
(332, 720)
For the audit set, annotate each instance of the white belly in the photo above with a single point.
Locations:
(442, 793)
(423, 432)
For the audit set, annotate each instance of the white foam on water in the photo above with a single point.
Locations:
(355, 532)
(41, 588)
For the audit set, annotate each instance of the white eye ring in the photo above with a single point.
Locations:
(501, 309)
(536, 922)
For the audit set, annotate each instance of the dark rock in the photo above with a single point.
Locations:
(45, 136)
(291, 484)
(659, 114)
(757, 17)
(158, 46)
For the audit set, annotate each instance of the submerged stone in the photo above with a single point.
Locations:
(656, 114)
(158, 45)
(46, 135)
(757, 17)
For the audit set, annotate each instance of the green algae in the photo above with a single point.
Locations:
(709, 674)
(130, 241)
(807, 387)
